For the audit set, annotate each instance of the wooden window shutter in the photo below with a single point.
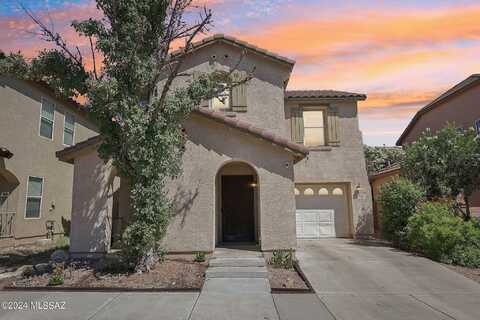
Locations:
(297, 124)
(239, 93)
(333, 127)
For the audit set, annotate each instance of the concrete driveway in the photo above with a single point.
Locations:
(369, 280)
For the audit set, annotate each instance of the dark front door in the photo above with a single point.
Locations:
(238, 208)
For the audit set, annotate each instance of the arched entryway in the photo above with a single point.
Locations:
(237, 204)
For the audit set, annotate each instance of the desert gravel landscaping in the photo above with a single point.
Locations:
(173, 273)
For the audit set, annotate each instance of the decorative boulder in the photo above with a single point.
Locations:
(59, 256)
(42, 268)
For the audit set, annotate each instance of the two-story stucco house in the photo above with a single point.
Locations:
(263, 166)
(35, 187)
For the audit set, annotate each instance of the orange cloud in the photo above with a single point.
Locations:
(358, 32)
(398, 99)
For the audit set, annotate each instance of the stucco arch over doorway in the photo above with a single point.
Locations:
(237, 217)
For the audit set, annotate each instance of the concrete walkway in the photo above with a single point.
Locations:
(369, 280)
(236, 287)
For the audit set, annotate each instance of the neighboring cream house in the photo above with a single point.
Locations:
(35, 187)
(264, 166)
(460, 106)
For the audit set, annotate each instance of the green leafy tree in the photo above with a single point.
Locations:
(446, 164)
(378, 158)
(138, 111)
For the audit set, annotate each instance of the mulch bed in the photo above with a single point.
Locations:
(285, 279)
(173, 273)
(471, 273)
(13, 257)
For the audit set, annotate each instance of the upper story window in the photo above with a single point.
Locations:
(47, 119)
(68, 129)
(221, 102)
(34, 197)
(314, 128)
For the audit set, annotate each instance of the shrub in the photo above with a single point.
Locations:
(435, 231)
(467, 256)
(282, 258)
(56, 278)
(199, 257)
(62, 242)
(398, 200)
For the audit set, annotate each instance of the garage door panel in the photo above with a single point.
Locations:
(325, 205)
(313, 224)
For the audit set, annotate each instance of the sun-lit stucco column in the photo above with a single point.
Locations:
(93, 188)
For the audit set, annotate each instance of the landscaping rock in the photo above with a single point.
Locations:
(42, 268)
(26, 271)
(59, 256)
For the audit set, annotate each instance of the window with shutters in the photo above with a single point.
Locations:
(222, 101)
(314, 128)
(47, 119)
(68, 129)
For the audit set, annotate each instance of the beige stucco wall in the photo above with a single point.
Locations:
(95, 184)
(193, 227)
(341, 164)
(20, 104)
(265, 91)
(461, 109)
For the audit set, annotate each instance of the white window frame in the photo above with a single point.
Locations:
(41, 199)
(40, 120)
(64, 127)
(325, 124)
(476, 125)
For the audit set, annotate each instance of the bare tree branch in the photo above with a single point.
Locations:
(49, 35)
(166, 87)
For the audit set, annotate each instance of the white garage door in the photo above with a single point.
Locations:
(313, 224)
(322, 210)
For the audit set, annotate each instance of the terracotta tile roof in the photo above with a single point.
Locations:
(394, 168)
(220, 37)
(325, 94)
(460, 87)
(299, 151)
(5, 153)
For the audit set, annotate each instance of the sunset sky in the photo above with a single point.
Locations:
(402, 54)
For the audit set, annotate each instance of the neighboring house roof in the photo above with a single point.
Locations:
(236, 42)
(299, 151)
(5, 153)
(393, 169)
(324, 94)
(459, 88)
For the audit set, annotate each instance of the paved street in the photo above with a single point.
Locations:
(367, 280)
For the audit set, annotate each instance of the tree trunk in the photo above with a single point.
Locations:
(147, 261)
(467, 208)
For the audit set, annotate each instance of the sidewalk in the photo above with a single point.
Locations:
(236, 287)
